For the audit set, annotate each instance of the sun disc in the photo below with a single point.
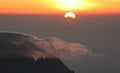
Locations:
(70, 15)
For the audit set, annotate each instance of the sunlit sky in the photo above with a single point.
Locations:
(59, 6)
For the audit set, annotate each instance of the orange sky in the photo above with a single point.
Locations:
(58, 6)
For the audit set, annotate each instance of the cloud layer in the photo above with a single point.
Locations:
(29, 45)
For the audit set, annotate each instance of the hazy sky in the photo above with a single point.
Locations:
(59, 6)
(100, 33)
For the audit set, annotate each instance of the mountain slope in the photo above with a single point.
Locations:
(18, 52)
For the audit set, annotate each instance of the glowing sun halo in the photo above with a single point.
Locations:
(70, 15)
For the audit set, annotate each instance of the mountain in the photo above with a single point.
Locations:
(23, 65)
(23, 53)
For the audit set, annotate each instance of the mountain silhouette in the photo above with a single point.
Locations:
(23, 65)
(17, 52)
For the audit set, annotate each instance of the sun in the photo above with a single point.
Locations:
(70, 15)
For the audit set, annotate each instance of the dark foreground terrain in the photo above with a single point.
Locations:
(16, 56)
(22, 65)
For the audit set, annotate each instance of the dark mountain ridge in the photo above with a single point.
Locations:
(23, 65)
(16, 56)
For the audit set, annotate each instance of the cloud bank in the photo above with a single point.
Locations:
(29, 45)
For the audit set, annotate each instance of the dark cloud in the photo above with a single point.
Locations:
(13, 44)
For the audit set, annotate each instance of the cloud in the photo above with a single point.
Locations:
(13, 44)
(60, 48)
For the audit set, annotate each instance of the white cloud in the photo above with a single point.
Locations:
(53, 46)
